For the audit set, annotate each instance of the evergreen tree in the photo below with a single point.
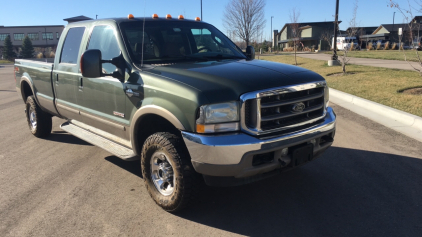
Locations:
(27, 48)
(8, 52)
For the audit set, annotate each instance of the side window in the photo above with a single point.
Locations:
(71, 45)
(103, 38)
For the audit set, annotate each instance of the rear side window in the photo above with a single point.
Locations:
(71, 45)
(103, 38)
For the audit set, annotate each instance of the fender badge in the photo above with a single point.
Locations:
(119, 114)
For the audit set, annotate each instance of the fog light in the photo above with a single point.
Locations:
(284, 151)
(313, 141)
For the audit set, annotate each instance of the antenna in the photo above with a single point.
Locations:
(143, 36)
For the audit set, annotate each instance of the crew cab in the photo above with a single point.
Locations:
(182, 98)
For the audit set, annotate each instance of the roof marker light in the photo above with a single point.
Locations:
(130, 16)
(168, 16)
(154, 16)
(197, 19)
(181, 17)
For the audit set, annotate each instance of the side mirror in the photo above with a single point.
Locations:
(91, 63)
(250, 52)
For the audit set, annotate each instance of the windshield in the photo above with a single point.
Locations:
(169, 42)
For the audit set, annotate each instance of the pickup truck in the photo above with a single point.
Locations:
(182, 98)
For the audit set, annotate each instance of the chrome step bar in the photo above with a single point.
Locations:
(97, 140)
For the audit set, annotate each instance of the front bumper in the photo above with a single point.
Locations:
(231, 155)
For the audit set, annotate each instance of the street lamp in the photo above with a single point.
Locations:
(201, 12)
(272, 30)
(335, 57)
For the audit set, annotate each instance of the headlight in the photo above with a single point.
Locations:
(222, 117)
(326, 96)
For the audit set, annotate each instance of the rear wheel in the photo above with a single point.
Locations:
(167, 171)
(39, 122)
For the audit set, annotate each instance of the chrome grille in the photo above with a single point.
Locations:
(273, 110)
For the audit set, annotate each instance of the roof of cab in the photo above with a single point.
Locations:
(139, 19)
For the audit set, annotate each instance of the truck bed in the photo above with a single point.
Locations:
(39, 73)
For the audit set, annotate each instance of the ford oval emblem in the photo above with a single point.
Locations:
(298, 107)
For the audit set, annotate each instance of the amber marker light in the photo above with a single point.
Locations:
(200, 128)
(154, 15)
(130, 16)
(181, 17)
(168, 16)
(197, 19)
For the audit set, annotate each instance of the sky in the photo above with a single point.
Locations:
(49, 12)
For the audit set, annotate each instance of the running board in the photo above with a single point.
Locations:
(108, 145)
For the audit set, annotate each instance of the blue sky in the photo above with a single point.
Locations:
(49, 12)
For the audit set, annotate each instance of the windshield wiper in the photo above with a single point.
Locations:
(220, 56)
(186, 57)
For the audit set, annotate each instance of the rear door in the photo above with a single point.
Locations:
(66, 74)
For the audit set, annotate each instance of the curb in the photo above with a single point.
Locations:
(408, 124)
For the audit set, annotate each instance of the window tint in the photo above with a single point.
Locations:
(71, 45)
(103, 38)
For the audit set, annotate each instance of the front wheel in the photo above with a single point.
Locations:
(39, 122)
(167, 171)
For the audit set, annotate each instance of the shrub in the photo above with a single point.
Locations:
(378, 45)
(387, 45)
(39, 55)
(394, 46)
(369, 46)
(52, 54)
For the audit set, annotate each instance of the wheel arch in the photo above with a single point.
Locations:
(149, 120)
(27, 89)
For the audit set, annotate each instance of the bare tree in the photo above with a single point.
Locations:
(295, 29)
(350, 33)
(326, 36)
(245, 17)
(407, 13)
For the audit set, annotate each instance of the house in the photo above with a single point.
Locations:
(390, 32)
(310, 34)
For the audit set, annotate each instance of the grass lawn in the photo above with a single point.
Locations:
(5, 62)
(383, 54)
(372, 83)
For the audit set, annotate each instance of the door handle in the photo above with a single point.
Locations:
(57, 77)
(81, 82)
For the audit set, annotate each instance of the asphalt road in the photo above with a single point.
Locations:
(367, 184)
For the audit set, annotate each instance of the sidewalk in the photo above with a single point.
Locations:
(395, 64)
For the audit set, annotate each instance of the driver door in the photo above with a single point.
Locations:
(104, 98)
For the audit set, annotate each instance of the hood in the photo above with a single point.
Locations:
(227, 80)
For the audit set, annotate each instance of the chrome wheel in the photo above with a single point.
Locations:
(33, 118)
(162, 173)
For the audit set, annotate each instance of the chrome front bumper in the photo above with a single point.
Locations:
(232, 154)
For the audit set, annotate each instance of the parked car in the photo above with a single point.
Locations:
(182, 98)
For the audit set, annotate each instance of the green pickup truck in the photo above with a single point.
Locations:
(182, 98)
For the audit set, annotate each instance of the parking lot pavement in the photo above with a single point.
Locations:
(367, 184)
